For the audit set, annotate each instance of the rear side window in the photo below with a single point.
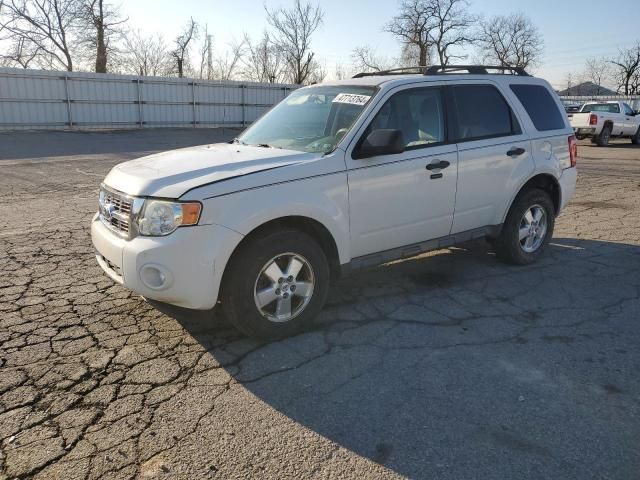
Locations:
(601, 107)
(482, 112)
(540, 106)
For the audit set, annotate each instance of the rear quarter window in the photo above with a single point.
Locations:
(540, 106)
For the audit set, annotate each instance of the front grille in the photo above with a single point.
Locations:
(115, 210)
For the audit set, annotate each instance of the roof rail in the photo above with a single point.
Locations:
(443, 69)
(476, 69)
(394, 71)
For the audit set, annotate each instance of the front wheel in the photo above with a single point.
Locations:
(275, 284)
(527, 229)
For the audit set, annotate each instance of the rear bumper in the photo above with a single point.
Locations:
(586, 131)
(567, 183)
(184, 268)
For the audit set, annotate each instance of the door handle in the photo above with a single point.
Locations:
(515, 151)
(438, 165)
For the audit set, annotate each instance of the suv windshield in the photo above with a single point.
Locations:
(312, 119)
(601, 107)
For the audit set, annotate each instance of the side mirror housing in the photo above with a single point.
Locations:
(381, 142)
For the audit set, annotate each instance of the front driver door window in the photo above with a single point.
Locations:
(395, 200)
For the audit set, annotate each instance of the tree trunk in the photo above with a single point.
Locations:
(423, 55)
(180, 72)
(101, 53)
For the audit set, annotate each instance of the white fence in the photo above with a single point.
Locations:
(632, 100)
(36, 99)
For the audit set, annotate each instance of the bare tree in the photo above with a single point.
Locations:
(42, 26)
(452, 27)
(183, 46)
(101, 22)
(294, 28)
(635, 83)
(410, 57)
(146, 55)
(318, 73)
(20, 53)
(511, 41)
(597, 71)
(340, 72)
(227, 62)
(569, 80)
(365, 59)
(627, 68)
(413, 27)
(264, 61)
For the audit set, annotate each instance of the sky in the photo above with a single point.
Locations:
(573, 30)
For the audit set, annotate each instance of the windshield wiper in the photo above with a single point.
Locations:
(265, 145)
(237, 141)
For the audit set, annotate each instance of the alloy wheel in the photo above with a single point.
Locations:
(533, 229)
(284, 287)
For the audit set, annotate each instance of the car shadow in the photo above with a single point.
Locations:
(623, 144)
(33, 145)
(452, 365)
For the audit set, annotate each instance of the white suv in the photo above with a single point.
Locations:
(337, 177)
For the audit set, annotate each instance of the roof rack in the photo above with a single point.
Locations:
(394, 71)
(476, 69)
(443, 69)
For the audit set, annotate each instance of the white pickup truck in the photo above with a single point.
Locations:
(603, 120)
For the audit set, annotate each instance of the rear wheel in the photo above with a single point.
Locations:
(605, 135)
(527, 229)
(636, 138)
(275, 284)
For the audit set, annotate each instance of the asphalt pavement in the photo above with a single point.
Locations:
(447, 366)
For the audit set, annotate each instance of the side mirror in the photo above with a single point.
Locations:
(381, 142)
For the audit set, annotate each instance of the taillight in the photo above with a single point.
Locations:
(593, 119)
(573, 150)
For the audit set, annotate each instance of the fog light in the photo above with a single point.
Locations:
(155, 277)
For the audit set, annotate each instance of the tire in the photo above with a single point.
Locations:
(510, 248)
(605, 135)
(636, 138)
(251, 270)
(580, 137)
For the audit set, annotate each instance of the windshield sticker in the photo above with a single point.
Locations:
(352, 98)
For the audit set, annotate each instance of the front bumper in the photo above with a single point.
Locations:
(183, 268)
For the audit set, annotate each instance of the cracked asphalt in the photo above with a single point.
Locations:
(447, 366)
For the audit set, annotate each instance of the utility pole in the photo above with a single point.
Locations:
(209, 58)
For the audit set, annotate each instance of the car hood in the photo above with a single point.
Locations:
(173, 173)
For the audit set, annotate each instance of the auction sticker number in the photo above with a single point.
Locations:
(352, 99)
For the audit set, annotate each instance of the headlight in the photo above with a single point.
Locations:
(159, 217)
